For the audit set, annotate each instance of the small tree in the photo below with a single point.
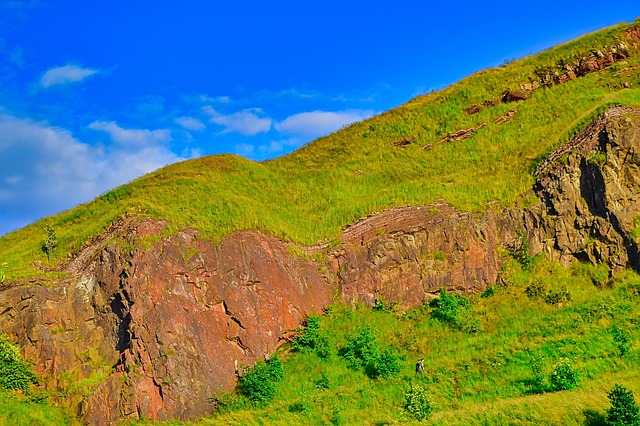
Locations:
(259, 383)
(50, 243)
(15, 372)
(563, 376)
(417, 402)
(624, 410)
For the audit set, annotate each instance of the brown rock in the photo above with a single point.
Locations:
(473, 109)
(516, 96)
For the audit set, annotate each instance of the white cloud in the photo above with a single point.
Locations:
(214, 99)
(138, 137)
(246, 122)
(65, 74)
(318, 123)
(190, 123)
(46, 169)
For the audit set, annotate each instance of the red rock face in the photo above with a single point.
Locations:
(402, 254)
(174, 320)
(194, 310)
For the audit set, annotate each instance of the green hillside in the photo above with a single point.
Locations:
(311, 194)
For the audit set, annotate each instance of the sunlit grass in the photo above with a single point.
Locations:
(311, 194)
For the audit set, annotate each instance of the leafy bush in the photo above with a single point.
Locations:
(535, 384)
(624, 410)
(417, 402)
(310, 339)
(361, 351)
(50, 243)
(564, 376)
(489, 292)
(520, 250)
(536, 290)
(621, 338)
(553, 297)
(259, 383)
(322, 382)
(385, 365)
(455, 311)
(15, 373)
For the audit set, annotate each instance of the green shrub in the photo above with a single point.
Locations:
(15, 373)
(624, 410)
(554, 297)
(362, 351)
(564, 376)
(322, 382)
(301, 406)
(417, 402)
(520, 250)
(385, 365)
(535, 384)
(621, 338)
(489, 292)
(536, 290)
(454, 310)
(259, 383)
(311, 339)
(50, 243)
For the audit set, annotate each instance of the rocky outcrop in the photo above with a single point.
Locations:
(591, 190)
(401, 254)
(151, 326)
(167, 326)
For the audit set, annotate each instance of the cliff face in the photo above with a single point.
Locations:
(174, 320)
(156, 328)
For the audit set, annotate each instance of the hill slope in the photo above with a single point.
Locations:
(397, 158)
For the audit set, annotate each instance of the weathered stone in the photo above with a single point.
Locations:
(519, 95)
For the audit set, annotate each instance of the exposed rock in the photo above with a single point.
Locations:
(172, 320)
(506, 117)
(401, 254)
(519, 95)
(404, 141)
(473, 109)
(592, 191)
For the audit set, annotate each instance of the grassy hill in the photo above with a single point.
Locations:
(488, 358)
(310, 195)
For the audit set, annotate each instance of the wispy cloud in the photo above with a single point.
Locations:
(317, 123)
(214, 99)
(246, 122)
(190, 123)
(46, 169)
(65, 74)
(139, 137)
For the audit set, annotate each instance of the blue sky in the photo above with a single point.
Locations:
(94, 94)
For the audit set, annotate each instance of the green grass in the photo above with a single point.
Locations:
(473, 378)
(16, 411)
(311, 194)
